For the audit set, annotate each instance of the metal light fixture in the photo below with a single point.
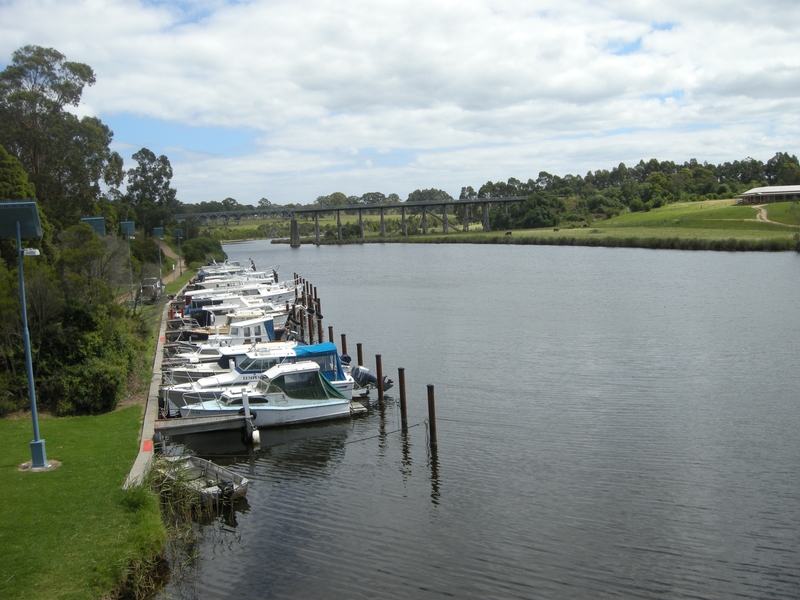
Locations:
(158, 232)
(179, 234)
(127, 228)
(21, 220)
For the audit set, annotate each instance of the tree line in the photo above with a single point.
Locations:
(86, 344)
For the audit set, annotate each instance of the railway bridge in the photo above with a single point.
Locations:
(427, 208)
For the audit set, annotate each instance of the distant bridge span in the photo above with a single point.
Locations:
(287, 213)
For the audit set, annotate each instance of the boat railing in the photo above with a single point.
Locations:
(198, 397)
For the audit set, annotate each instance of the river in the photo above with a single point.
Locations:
(611, 423)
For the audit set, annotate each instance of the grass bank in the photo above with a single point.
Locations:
(73, 532)
(708, 225)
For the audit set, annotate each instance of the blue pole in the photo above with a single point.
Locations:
(38, 453)
(130, 270)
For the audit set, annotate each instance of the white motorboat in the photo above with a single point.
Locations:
(286, 394)
(250, 367)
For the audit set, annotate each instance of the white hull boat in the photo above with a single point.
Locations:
(287, 394)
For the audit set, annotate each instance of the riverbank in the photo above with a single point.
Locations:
(73, 532)
(710, 225)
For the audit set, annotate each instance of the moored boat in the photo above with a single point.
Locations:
(287, 394)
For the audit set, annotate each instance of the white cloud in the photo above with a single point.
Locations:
(399, 95)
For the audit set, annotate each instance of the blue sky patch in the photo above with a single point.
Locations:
(663, 26)
(674, 94)
(157, 135)
(622, 48)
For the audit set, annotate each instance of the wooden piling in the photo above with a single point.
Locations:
(432, 414)
(344, 343)
(310, 329)
(379, 368)
(330, 333)
(319, 330)
(360, 354)
(401, 382)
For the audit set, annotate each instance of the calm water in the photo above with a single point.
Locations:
(612, 423)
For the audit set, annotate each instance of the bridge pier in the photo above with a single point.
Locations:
(383, 225)
(361, 223)
(486, 217)
(403, 214)
(444, 218)
(424, 221)
(294, 236)
(316, 227)
(466, 217)
(339, 225)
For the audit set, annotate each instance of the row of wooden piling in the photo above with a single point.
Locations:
(308, 297)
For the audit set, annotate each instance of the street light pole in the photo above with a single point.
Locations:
(179, 234)
(127, 227)
(20, 219)
(159, 233)
(38, 451)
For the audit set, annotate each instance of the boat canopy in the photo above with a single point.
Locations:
(301, 381)
(326, 356)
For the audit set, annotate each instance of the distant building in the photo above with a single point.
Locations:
(773, 193)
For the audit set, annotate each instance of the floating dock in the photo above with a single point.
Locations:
(181, 425)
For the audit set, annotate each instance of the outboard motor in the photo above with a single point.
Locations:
(363, 377)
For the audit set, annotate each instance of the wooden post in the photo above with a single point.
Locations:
(310, 329)
(379, 368)
(330, 333)
(401, 378)
(319, 330)
(360, 355)
(344, 343)
(432, 414)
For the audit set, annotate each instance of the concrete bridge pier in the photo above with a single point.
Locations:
(294, 235)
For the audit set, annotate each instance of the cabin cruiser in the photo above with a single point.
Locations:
(253, 364)
(286, 394)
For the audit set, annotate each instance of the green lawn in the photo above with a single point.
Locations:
(706, 225)
(73, 532)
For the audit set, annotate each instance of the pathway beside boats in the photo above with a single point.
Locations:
(145, 457)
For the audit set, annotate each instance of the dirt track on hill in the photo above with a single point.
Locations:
(761, 215)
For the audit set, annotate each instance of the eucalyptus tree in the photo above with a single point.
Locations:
(150, 192)
(68, 159)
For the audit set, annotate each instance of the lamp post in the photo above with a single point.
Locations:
(127, 228)
(178, 234)
(159, 233)
(22, 219)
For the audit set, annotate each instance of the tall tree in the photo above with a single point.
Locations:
(68, 159)
(149, 191)
(14, 184)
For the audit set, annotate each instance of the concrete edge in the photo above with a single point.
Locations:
(145, 457)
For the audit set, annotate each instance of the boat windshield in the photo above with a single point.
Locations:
(258, 364)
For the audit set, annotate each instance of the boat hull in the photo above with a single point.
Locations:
(276, 415)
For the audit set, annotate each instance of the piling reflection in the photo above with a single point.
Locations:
(433, 461)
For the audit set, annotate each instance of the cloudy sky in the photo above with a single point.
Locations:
(293, 99)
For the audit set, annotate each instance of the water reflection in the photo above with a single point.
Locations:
(433, 463)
